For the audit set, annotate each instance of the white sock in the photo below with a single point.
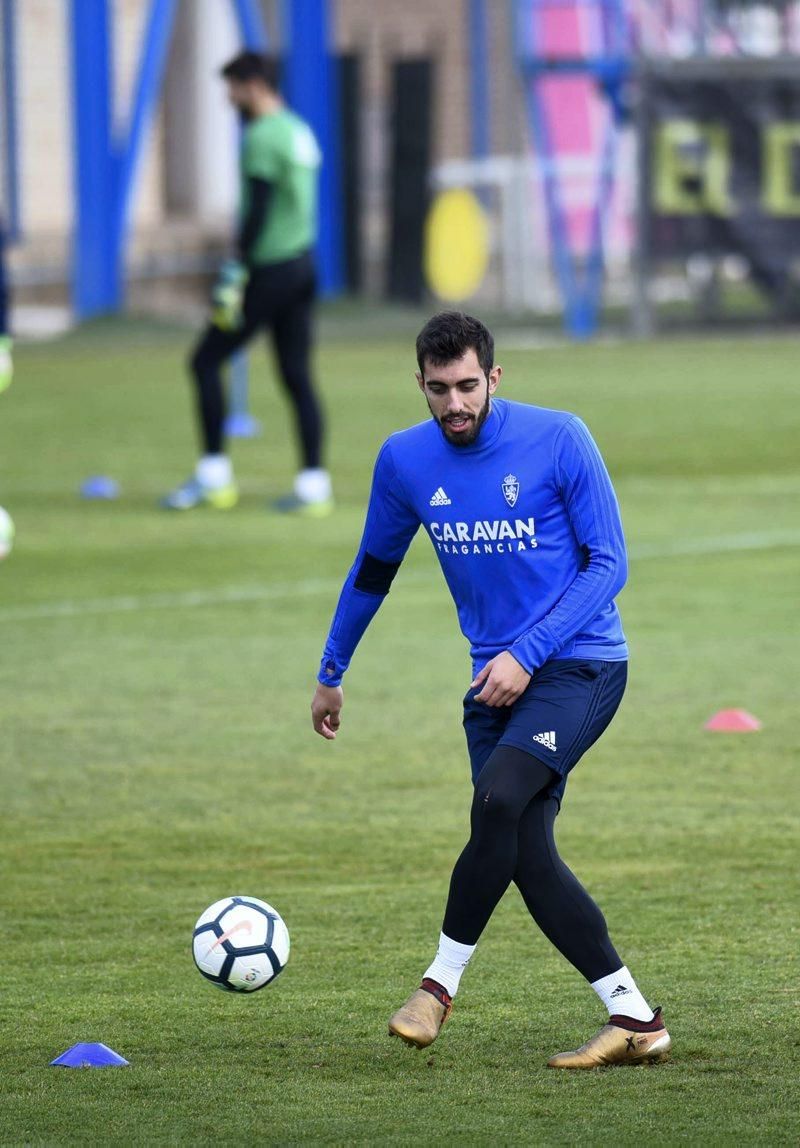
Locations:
(214, 471)
(313, 485)
(449, 963)
(619, 994)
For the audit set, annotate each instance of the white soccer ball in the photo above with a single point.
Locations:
(241, 944)
(6, 533)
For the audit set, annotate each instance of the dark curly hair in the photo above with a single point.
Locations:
(253, 66)
(449, 335)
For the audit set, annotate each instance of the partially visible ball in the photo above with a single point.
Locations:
(6, 533)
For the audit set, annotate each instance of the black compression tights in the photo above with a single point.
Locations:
(512, 840)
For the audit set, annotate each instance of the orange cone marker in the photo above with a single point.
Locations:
(733, 721)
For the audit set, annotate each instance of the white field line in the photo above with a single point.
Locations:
(328, 588)
(177, 600)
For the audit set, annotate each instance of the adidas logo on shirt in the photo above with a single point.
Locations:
(440, 498)
(621, 991)
(548, 740)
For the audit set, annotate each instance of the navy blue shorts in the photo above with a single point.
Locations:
(567, 705)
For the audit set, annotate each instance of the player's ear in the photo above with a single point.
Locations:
(420, 380)
(494, 379)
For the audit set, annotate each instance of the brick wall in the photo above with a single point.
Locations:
(45, 140)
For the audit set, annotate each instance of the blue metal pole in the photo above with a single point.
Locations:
(240, 423)
(605, 186)
(479, 78)
(152, 61)
(608, 62)
(559, 237)
(251, 24)
(96, 279)
(613, 37)
(106, 168)
(13, 221)
(312, 90)
(559, 234)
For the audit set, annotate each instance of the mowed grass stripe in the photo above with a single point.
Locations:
(234, 595)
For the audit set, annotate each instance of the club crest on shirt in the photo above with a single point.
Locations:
(510, 489)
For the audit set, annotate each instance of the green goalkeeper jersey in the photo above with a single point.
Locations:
(282, 149)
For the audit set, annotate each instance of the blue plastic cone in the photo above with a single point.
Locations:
(240, 424)
(100, 486)
(89, 1056)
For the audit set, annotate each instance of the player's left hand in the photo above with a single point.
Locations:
(503, 680)
(227, 296)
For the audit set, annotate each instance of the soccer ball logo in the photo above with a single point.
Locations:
(241, 944)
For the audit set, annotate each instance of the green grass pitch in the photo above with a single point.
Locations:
(157, 754)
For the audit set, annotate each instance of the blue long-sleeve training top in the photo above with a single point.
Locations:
(526, 527)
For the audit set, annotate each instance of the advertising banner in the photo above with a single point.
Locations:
(720, 152)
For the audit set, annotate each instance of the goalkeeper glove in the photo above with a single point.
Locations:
(227, 296)
(6, 363)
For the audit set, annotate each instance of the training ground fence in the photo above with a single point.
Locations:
(628, 159)
(661, 177)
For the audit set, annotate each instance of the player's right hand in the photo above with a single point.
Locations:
(326, 709)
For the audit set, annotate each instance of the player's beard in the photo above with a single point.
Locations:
(467, 437)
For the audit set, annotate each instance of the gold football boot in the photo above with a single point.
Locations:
(420, 1019)
(622, 1041)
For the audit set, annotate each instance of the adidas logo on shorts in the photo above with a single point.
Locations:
(439, 498)
(548, 740)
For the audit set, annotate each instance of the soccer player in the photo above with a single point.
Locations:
(524, 521)
(271, 286)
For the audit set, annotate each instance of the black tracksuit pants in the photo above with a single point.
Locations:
(280, 299)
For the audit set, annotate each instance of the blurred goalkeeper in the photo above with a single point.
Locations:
(521, 512)
(271, 286)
